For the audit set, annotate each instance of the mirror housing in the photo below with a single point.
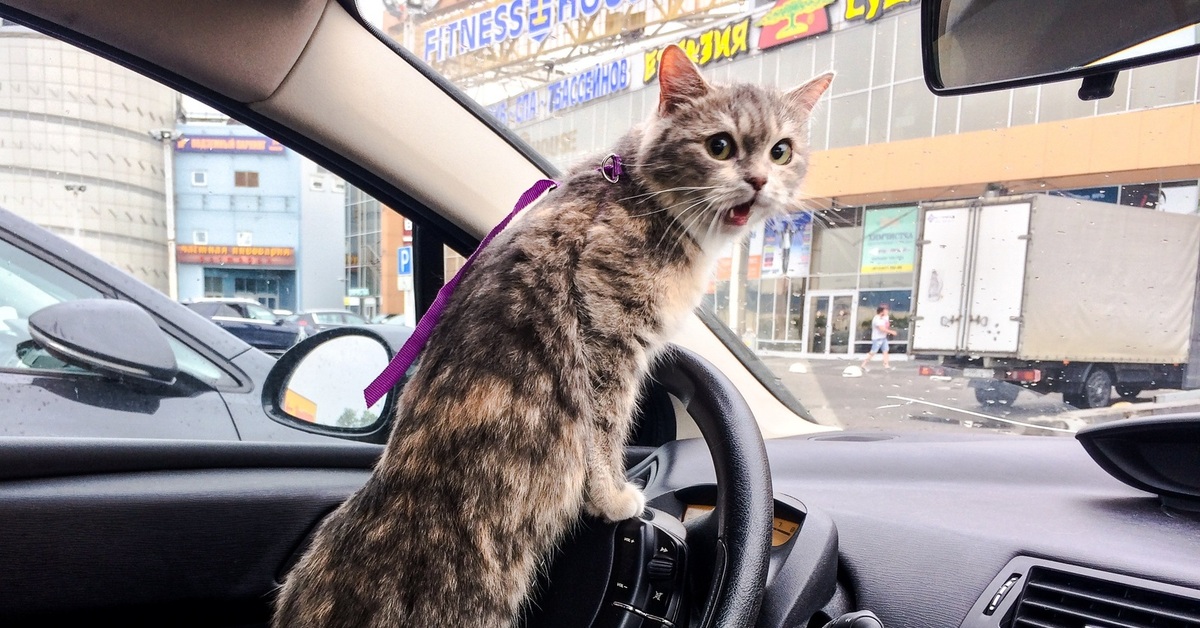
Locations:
(317, 386)
(970, 46)
(108, 336)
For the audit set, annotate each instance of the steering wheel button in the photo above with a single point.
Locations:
(658, 602)
(620, 616)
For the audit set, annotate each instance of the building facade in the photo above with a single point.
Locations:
(81, 150)
(255, 220)
(881, 145)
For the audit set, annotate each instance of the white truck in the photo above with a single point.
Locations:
(1057, 294)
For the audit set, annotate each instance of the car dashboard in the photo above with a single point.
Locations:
(955, 531)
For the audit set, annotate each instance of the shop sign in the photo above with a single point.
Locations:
(505, 21)
(792, 20)
(889, 240)
(787, 246)
(215, 254)
(228, 144)
(715, 44)
(601, 80)
(870, 10)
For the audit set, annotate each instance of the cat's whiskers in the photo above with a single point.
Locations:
(648, 195)
(680, 218)
(708, 202)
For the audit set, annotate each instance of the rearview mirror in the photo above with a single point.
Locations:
(981, 45)
(107, 336)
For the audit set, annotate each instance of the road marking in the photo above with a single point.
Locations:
(982, 415)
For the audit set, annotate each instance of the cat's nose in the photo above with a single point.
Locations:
(756, 182)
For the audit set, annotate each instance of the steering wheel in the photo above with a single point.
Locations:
(724, 555)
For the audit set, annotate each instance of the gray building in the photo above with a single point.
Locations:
(77, 154)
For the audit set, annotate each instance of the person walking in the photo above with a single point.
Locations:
(881, 328)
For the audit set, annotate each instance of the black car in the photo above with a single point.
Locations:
(251, 322)
(320, 320)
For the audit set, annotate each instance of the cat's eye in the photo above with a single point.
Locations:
(781, 153)
(720, 146)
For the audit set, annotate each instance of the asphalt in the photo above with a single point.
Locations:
(900, 400)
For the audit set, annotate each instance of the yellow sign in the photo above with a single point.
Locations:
(723, 42)
(869, 9)
(299, 406)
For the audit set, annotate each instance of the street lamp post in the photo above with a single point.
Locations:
(167, 137)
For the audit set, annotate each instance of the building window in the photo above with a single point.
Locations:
(199, 236)
(245, 179)
(199, 178)
(316, 184)
(214, 286)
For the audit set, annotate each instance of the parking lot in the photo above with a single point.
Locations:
(901, 400)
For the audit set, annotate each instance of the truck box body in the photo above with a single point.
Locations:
(1047, 278)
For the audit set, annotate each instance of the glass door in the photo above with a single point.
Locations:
(829, 326)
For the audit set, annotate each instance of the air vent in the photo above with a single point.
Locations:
(1058, 599)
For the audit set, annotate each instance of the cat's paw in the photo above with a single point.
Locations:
(619, 505)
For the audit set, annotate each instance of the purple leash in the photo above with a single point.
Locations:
(404, 358)
(610, 168)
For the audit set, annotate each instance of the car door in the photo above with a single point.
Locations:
(44, 396)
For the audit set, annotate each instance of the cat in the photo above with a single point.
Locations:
(515, 421)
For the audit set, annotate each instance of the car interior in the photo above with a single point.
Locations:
(770, 521)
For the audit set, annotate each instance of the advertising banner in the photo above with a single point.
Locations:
(754, 254)
(715, 44)
(792, 20)
(228, 144)
(787, 246)
(235, 255)
(889, 240)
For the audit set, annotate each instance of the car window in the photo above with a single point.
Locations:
(328, 318)
(353, 319)
(259, 313)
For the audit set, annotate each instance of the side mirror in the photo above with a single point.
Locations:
(108, 336)
(318, 384)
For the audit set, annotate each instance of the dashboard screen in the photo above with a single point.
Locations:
(782, 530)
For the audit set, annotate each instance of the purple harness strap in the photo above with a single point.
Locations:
(404, 358)
(611, 169)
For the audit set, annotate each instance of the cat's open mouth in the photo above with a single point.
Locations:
(738, 215)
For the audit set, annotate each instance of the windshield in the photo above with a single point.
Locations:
(993, 262)
(1018, 261)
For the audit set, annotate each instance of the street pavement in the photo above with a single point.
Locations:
(900, 400)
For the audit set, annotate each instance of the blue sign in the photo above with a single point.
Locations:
(598, 81)
(1104, 195)
(404, 256)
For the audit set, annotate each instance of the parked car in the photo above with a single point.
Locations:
(201, 384)
(934, 521)
(320, 320)
(252, 322)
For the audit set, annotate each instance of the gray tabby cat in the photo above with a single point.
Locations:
(515, 421)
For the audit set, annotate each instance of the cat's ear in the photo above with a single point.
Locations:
(679, 81)
(806, 96)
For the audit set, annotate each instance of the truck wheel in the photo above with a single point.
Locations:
(996, 394)
(1129, 391)
(1097, 391)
